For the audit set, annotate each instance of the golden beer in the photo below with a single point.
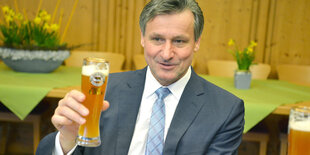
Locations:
(94, 82)
(299, 131)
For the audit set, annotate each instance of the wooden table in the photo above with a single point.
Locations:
(285, 109)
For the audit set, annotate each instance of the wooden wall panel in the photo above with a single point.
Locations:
(123, 36)
(111, 23)
(224, 19)
(281, 28)
(82, 27)
(103, 24)
(122, 27)
(289, 39)
(259, 33)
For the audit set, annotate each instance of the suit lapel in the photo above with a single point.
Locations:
(187, 109)
(129, 102)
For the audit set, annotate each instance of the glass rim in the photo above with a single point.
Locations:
(304, 109)
(95, 59)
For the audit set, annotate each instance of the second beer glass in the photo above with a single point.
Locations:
(299, 131)
(95, 73)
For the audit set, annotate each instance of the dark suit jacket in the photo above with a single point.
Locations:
(207, 120)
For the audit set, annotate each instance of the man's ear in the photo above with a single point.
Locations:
(142, 39)
(197, 44)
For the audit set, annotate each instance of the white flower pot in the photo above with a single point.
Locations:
(242, 79)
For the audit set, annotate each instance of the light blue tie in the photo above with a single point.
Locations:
(155, 139)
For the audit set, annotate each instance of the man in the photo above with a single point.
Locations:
(200, 118)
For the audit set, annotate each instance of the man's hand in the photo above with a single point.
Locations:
(69, 115)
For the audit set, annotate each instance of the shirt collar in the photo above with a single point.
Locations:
(176, 88)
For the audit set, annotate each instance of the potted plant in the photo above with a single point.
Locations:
(32, 45)
(244, 58)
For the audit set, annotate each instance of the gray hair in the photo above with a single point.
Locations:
(162, 7)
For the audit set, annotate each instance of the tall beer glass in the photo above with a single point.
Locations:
(95, 73)
(299, 131)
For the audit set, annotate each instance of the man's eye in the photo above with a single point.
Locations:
(157, 39)
(179, 41)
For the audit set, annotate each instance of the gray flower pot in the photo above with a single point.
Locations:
(33, 61)
(32, 66)
(242, 79)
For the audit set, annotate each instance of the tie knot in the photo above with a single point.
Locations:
(162, 92)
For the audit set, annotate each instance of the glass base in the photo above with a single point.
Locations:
(88, 142)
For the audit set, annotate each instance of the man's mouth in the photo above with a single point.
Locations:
(167, 66)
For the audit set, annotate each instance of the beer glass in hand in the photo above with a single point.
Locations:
(95, 73)
(299, 131)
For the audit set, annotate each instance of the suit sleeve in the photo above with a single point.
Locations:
(229, 137)
(46, 145)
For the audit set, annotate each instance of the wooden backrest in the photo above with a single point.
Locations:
(116, 60)
(260, 71)
(299, 74)
(139, 61)
(226, 68)
(223, 68)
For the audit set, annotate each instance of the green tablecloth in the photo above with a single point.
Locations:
(21, 92)
(263, 97)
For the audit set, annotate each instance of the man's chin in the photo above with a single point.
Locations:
(167, 79)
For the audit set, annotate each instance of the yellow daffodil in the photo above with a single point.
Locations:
(250, 49)
(37, 20)
(43, 13)
(46, 27)
(8, 19)
(253, 44)
(46, 18)
(5, 9)
(15, 25)
(11, 13)
(244, 57)
(231, 42)
(54, 27)
(19, 16)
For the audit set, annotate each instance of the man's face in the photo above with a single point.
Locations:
(169, 45)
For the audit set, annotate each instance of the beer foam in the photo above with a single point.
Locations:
(301, 125)
(90, 69)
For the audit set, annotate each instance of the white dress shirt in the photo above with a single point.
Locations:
(138, 142)
(139, 139)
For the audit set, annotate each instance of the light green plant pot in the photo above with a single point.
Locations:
(33, 61)
(242, 79)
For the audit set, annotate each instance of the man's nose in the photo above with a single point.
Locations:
(168, 51)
